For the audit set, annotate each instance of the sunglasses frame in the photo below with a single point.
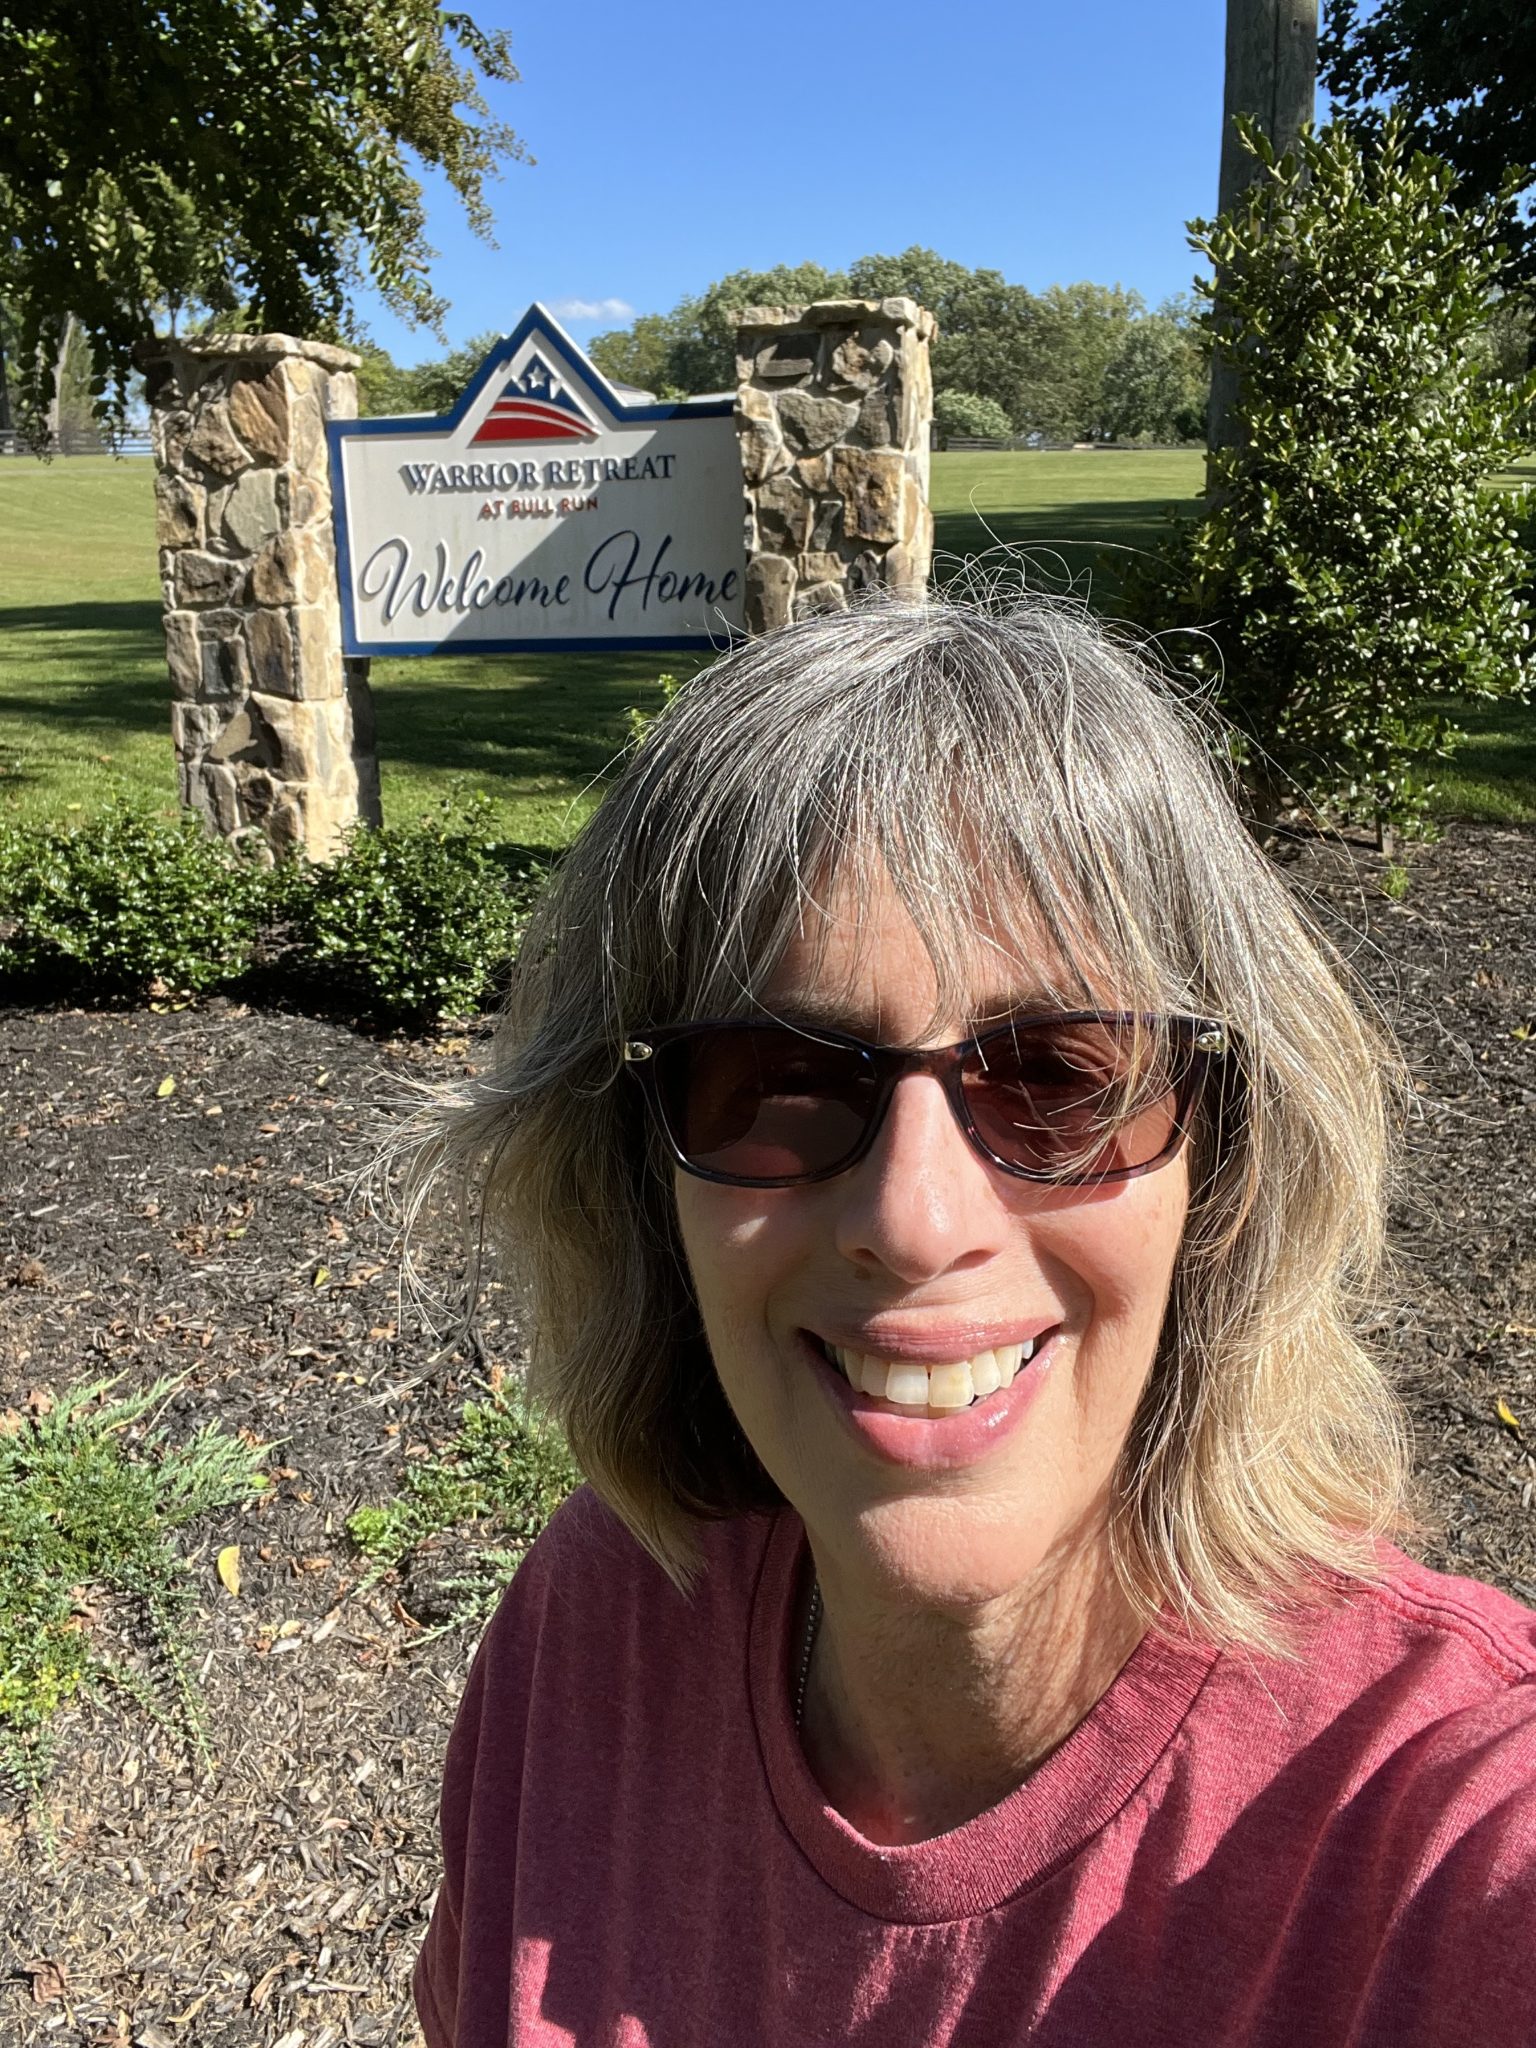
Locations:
(1207, 1038)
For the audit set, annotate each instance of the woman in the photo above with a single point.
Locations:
(947, 1174)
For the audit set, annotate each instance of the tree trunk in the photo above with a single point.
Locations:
(1272, 75)
(7, 423)
(56, 403)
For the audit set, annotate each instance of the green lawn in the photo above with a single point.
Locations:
(84, 706)
(1057, 521)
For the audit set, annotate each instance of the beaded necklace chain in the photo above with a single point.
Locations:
(812, 1622)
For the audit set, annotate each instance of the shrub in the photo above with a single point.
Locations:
(411, 923)
(1351, 562)
(966, 416)
(639, 722)
(507, 1470)
(83, 1512)
(125, 900)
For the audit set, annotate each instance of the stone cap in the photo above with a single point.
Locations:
(254, 348)
(900, 312)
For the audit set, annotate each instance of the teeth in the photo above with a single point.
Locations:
(950, 1386)
(985, 1377)
(946, 1387)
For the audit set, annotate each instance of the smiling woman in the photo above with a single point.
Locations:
(948, 1175)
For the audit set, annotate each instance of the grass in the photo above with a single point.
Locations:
(83, 700)
(1057, 517)
(89, 1495)
(506, 1471)
(84, 705)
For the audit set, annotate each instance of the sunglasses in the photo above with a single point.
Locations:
(1075, 1100)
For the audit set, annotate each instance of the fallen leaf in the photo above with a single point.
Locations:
(39, 1401)
(48, 1981)
(1507, 1416)
(229, 1569)
(322, 1274)
(167, 1086)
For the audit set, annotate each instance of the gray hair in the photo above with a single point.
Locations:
(1013, 772)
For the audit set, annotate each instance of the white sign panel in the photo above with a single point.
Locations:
(546, 510)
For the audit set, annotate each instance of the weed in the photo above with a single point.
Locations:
(508, 1467)
(1394, 882)
(82, 1509)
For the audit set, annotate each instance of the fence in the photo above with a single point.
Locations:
(79, 441)
(1032, 444)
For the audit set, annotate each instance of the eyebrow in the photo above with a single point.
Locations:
(814, 1010)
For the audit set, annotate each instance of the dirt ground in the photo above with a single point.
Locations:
(216, 1231)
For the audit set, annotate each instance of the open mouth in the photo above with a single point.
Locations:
(946, 1389)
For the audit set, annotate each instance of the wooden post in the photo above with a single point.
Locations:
(1272, 75)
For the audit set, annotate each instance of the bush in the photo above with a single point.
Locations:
(505, 1473)
(1351, 562)
(968, 417)
(411, 923)
(124, 901)
(90, 1490)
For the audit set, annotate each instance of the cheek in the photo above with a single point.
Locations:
(737, 1241)
(1114, 1257)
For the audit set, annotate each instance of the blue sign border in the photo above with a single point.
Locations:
(404, 426)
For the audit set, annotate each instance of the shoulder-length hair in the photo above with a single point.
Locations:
(1012, 771)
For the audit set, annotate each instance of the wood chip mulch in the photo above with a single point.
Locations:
(216, 1231)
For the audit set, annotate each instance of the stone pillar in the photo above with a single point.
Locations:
(273, 727)
(833, 408)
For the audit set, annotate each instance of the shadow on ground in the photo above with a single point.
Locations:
(1061, 543)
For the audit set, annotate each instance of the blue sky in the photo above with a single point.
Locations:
(679, 141)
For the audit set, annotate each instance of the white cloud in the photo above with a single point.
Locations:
(592, 309)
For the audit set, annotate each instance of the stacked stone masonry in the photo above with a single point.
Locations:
(834, 403)
(273, 727)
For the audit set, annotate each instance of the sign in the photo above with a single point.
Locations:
(550, 508)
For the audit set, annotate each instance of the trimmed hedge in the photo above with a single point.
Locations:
(409, 924)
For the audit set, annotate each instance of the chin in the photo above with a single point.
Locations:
(957, 1550)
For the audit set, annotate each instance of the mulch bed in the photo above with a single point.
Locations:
(282, 1900)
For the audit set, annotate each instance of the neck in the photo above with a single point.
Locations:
(917, 1719)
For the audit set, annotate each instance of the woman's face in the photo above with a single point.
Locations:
(925, 1254)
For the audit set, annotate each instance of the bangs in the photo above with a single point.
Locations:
(1028, 859)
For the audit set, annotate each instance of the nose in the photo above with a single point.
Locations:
(921, 1202)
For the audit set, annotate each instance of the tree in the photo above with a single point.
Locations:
(641, 355)
(1270, 80)
(1462, 73)
(1154, 386)
(692, 349)
(438, 386)
(1352, 567)
(964, 416)
(1080, 330)
(252, 161)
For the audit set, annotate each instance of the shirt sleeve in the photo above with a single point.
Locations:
(478, 1808)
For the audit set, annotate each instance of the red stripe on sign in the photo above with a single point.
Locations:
(535, 429)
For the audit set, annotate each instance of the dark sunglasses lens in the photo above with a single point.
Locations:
(764, 1105)
(1076, 1100)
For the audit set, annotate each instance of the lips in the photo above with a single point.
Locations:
(931, 1436)
(895, 1339)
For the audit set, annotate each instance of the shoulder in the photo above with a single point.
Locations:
(1410, 1717)
(587, 1578)
(1463, 1622)
(1463, 1687)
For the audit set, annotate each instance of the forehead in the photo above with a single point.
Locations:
(862, 960)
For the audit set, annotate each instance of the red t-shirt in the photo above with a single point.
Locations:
(1228, 1850)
